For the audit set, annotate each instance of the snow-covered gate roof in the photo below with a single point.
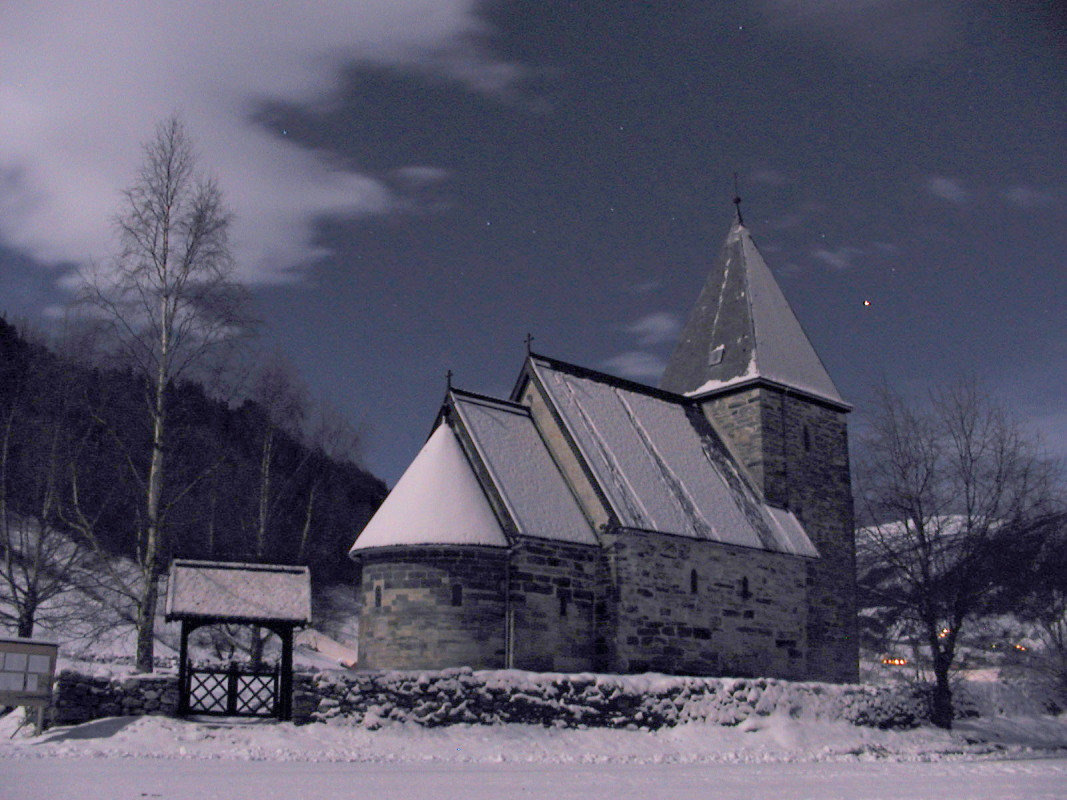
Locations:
(232, 592)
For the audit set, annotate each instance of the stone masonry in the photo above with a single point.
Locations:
(694, 607)
(553, 598)
(421, 608)
(796, 450)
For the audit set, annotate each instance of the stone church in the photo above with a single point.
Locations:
(590, 523)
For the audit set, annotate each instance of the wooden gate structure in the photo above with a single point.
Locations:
(270, 596)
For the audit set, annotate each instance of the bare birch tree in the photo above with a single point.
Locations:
(170, 303)
(38, 434)
(941, 483)
(283, 404)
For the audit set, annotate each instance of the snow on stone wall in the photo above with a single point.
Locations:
(493, 697)
(650, 701)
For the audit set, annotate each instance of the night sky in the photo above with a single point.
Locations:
(418, 184)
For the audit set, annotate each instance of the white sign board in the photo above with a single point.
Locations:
(27, 667)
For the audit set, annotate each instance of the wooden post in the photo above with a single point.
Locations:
(285, 699)
(183, 671)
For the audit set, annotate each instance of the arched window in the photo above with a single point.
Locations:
(692, 581)
(457, 594)
(377, 596)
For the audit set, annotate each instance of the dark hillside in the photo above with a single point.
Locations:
(94, 419)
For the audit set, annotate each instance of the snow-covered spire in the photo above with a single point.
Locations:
(742, 330)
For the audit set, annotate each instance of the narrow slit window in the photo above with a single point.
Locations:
(743, 589)
(807, 438)
(563, 605)
(377, 596)
(457, 595)
(693, 580)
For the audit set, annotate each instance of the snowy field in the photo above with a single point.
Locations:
(766, 757)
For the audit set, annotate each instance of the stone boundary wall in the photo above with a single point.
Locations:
(78, 697)
(648, 702)
(492, 697)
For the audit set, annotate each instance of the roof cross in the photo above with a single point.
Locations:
(529, 342)
(737, 200)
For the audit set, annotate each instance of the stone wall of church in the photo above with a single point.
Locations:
(797, 451)
(688, 606)
(432, 607)
(552, 590)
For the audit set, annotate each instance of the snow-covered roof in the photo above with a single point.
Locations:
(743, 330)
(656, 469)
(522, 470)
(438, 500)
(224, 591)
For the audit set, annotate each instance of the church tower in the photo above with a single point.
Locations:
(744, 356)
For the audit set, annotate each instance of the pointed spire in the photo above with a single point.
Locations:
(742, 330)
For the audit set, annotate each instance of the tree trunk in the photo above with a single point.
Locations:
(146, 607)
(146, 625)
(941, 702)
(255, 655)
(25, 624)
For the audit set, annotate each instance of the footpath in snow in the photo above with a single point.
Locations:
(763, 757)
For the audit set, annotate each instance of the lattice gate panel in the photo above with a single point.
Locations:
(208, 692)
(256, 694)
(232, 692)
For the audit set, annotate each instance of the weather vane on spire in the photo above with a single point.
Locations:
(737, 200)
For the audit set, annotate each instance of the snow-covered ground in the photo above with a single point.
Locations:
(774, 756)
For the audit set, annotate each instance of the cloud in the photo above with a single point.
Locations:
(769, 177)
(1027, 197)
(890, 29)
(637, 365)
(644, 287)
(654, 329)
(83, 83)
(947, 189)
(839, 259)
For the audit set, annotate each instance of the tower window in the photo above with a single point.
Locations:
(563, 605)
(692, 581)
(457, 595)
(743, 591)
(807, 438)
(377, 596)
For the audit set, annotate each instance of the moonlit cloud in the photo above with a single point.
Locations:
(654, 329)
(840, 258)
(893, 29)
(769, 177)
(947, 189)
(637, 365)
(1027, 197)
(83, 83)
